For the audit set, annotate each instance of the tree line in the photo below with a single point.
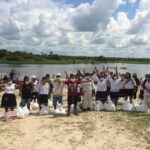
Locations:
(23, 57)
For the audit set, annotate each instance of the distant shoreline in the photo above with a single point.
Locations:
(71, 63)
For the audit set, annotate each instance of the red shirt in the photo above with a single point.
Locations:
(72, 87)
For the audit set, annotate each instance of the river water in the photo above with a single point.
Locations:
(41, 70)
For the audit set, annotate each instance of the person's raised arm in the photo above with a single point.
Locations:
(80, 73)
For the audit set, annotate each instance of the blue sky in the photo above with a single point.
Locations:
(119, 28)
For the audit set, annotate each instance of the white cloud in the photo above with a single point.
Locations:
(88, 29)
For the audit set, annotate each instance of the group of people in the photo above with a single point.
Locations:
(98, 85)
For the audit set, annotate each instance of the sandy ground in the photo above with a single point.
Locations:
(88, 131)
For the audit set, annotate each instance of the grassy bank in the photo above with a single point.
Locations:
(19, 57)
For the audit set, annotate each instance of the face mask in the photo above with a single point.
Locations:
(72, 80)
(10, 82)
(58, 78)
(115, 77)
(27, 82)
(87, 77)
(101, 79)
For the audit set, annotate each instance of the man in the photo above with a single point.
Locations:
(57, 90)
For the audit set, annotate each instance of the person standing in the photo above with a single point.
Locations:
(11, 75)
(114, 83)
(137, 81)
(57, 90)
(88, 90)
(9, 97)
(26, 90)
(129, 86)
(146, 87)
(43, 89)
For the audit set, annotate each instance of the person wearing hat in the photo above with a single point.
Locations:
(57, 90)
(26, 92)
(146, 87)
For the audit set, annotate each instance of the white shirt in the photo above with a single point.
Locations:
(101, 85)
(114, 85)
(122, 83)
(88, 86)
(9, 89)
(147, 85)
(43, 88)
(35, 84)
(130, 84)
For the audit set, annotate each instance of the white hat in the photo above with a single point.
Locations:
(58, 74)
(33, 77)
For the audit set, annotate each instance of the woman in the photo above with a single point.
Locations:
(101, 93)
(129, 86)
(114, 83)
(122, 82)
(9, 98)
(43, 92)
(146, 87)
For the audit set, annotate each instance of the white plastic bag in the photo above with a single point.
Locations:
(142, 108)
(121, 101)
(109, 106)
(20, 113)
(93, 105)
(99, 106)
(72, 108)
(60, 110)
(44, 110)
(127, 106)
(26, 110)
(79, 106)
(135, 105)
(50, 103)
(34, 105)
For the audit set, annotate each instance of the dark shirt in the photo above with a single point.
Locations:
(26, 90)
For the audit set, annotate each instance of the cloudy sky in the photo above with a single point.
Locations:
(118, 28)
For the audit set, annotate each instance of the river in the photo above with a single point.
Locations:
(41, 70)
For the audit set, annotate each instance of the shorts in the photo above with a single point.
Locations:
(72, 100)
(43, 99)
(57, 99)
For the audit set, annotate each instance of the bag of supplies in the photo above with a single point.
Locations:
(99, 106)
(109, 106)
(44, 110)
(127, 106)
(20, 113)
(60, 110)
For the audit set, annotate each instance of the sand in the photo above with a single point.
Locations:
(88, 131)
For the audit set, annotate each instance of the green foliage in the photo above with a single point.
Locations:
(19, 57)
